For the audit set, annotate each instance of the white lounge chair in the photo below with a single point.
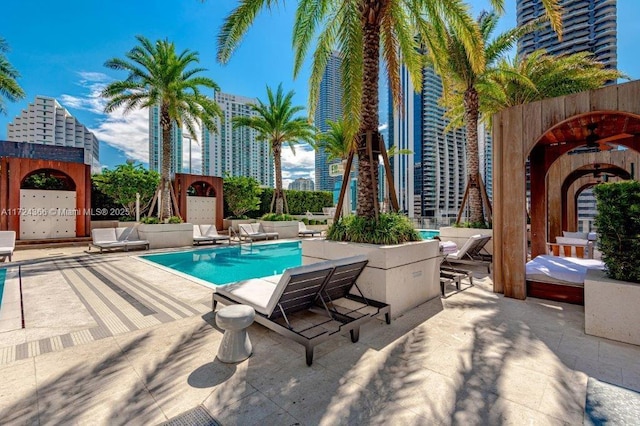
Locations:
(116, 238)
(207, 234)
(255, 232)
(7, 244)
(471, 253)
(303, 231)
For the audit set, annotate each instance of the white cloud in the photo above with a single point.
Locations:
(382, 127)
(128, 133)
(302, 164)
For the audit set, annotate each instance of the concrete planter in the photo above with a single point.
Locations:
(285, 228)
(167, 234)
(404, 276)
(460, 235)
(611, 308)
(233, 223)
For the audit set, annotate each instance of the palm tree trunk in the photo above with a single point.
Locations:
(471, 108)
(367, 186)
(165, 181)
(277, 161)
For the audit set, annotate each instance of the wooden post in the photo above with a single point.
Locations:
(372, 172)
(393, 197)
(345, 182)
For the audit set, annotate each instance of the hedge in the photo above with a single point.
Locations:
(299, 202)
(618, 224)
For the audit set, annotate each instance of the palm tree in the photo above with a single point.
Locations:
(9, 87)
(335, 141)
(277, 124)
(451, 59)
(159, 76)
(364, 31)
(539, 76)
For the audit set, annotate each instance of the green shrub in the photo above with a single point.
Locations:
(150, 220)
(299, 202)
(175, 219)
(477, 225)
(392, 228)
(240, 195)
(618, 224)
(272, 217)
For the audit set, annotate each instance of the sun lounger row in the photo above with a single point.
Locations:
(308, 304)
(117, 238)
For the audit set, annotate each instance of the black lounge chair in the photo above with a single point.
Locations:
(280, 301)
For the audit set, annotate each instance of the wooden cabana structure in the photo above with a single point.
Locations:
(544, 132)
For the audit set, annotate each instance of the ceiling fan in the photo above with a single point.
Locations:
(593, 140)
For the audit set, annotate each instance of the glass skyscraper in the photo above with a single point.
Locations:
(329, 108)
(235, 150)
(588, 25)
(155, 143)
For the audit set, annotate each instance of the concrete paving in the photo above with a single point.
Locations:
(139, 355)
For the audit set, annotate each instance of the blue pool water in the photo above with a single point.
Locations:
(428, 234)
(3, 274)
(225, 265)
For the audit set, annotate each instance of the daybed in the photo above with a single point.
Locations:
(559, 278)
(207, 234)
(308, 304)
(116, 238)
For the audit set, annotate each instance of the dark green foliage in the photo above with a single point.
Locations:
(274, 217)
(241, 195)
(175, 219)
(150, 220)
(392, 228)
(477, 225)
(618, 224)
(101, 202)
(123, 182)
(44, 180)
(299, 202)
(313, 221)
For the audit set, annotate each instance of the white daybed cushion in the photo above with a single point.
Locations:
(566, 269)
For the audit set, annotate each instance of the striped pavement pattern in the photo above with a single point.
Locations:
(118, 301)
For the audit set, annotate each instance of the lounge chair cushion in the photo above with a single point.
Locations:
(104, 235)
(263, 294)
(7, 243)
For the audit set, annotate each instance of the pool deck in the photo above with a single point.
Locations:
(113, 340)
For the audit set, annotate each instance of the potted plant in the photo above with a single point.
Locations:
(285, 225)
(173, 233)
(611, 296)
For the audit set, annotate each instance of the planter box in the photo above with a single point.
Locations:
(611, 308)
(233, 223)
(285, 228)
(460, 235)
(404, 276)
(167, 234)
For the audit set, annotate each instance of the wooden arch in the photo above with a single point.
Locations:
(541, 132)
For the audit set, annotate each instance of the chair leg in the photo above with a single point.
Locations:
(387, 317)
(214, 304)
(355, 334)
(309, 355)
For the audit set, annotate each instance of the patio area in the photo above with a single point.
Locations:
(112, 340)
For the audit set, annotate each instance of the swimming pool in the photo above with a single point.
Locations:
(224, 265)
(3, 275)
(428, 234)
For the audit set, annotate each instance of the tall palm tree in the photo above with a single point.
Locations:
(276, 123)
(451, 59)
(539, 76)
(9, 87)
(364, 31)
(159, 76)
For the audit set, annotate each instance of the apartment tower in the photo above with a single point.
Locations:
(155, 144)
(235, 150)
(46, 122)
(329, 108)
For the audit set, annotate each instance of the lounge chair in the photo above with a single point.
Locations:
(116, 238)
(207, 234)
(254, 232)
(7, 244)
(298, 304)
(303, 231)
(471, 253)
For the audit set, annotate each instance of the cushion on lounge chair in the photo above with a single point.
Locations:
(258, 228)
(303, 230)
(7, 243)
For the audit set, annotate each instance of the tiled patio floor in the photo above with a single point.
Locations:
(472, 358)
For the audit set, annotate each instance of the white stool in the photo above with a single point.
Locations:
(234, 320)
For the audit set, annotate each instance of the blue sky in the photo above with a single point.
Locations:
(60, 50)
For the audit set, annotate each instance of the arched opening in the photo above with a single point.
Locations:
(48, 179)
(201, 189)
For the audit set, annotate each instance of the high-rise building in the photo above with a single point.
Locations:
(235, 150)
(435, 174)
(329, 108)
(46, 122)
(155, 143)
(302, 184)
(588, 25)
